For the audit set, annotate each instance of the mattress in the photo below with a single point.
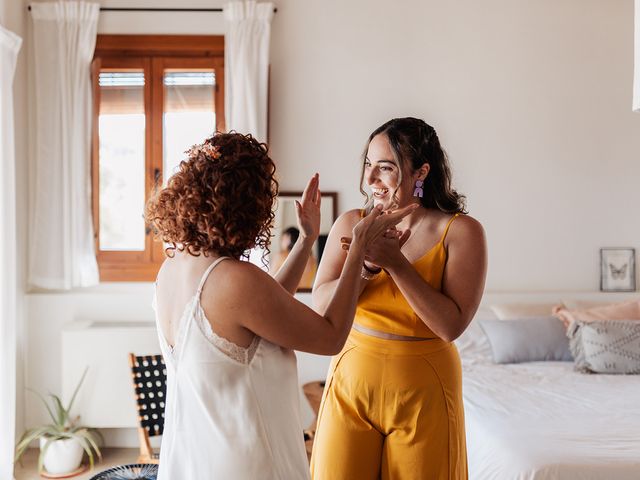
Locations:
(543, 421)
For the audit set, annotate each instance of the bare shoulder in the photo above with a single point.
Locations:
(464, 229)
(344, 224)
(234, 282)
(348, 219)
(342, 227)
(170, 269)
(240, 274)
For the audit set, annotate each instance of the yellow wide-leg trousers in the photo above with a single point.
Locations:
(391, 410)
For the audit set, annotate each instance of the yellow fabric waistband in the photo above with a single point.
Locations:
(396, 347)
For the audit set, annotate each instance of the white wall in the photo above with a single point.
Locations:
(532, 100)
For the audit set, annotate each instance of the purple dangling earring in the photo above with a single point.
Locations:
(418, 192)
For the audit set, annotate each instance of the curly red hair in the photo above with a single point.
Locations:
(220, 201)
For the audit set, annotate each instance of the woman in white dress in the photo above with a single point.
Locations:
(227, 329)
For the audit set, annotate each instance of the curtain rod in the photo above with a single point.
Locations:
(142, 9)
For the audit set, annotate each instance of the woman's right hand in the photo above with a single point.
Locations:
(375, 224)
(308, 210)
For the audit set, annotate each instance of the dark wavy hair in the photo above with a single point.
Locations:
(220, 201)
(414, 143)
(293, 233)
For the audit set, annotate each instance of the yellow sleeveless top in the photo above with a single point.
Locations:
(382, 306)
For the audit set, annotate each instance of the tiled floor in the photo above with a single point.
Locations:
(110, 458)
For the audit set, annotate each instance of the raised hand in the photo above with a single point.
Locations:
(382, 251)
(385, 250)
(376, 225)
(308, 210)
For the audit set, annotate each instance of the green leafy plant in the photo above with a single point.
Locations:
(64, 427)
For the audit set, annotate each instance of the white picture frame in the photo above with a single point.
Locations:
(618, 269)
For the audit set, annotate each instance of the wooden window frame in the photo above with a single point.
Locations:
(152, 53)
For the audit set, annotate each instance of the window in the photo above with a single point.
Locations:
(154, 97)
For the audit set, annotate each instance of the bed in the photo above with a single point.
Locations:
(544, 421)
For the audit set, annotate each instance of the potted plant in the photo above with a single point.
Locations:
(63, 442)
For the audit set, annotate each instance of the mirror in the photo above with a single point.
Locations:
(285, 231)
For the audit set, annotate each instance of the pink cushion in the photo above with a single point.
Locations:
(617, 311)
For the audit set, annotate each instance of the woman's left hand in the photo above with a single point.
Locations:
(385, 250)
(308, 210)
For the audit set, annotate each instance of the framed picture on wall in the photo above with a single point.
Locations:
(618, 269)
(285, 233)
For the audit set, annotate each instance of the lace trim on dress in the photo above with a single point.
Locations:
(236, 352)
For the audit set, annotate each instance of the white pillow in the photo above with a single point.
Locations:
(473, 344)
(527, 340)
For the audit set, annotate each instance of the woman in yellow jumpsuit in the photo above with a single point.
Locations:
(392, 406)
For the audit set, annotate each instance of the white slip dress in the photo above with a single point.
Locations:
(231, 413)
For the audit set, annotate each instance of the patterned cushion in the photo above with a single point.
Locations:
(605, 346)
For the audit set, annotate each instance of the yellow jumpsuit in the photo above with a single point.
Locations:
(393, 409)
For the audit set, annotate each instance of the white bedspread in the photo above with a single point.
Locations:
(543, 421)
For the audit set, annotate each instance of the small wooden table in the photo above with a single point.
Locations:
(313, 392)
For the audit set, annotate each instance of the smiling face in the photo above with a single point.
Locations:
(390, 183)
(401, 152)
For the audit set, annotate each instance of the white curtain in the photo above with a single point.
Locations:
(246, 62)
(636, 76)
(9, 46)
(61, 248)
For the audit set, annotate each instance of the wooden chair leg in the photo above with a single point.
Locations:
(146, 452)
